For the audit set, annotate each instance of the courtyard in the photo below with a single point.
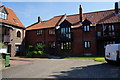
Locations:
(63, 68)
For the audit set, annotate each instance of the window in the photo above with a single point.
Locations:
(111, 30)
(52, 45)
(39, 43)
(39, 32)
(87, 44)
(109, 42)
(52, 31)
(86, 28)
(66, 45)
(3, 15)
(15, 21)
(65, 32)
(18, 34)
(111, 27)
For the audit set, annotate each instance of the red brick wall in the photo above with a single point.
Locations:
(79, 36)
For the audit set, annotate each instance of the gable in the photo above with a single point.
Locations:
(3, 10)
(86, 22)
(65, 23)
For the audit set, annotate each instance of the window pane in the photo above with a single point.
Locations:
(61, 45)
(5, 16)
(113, 27)
(0, 14)
(88, 44)
(84, 28)
(70, 45)
(109, 27)
(85, 45)
(88, 28)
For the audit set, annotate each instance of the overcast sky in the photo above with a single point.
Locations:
(29, 11)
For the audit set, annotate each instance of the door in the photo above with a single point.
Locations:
(18, 50)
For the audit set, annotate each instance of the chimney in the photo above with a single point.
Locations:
(39, 19)
(80, 13)
(116, 8)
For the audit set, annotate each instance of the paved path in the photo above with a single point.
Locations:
(63, 68)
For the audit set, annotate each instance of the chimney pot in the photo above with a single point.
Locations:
(116, 8)
(39, 19)
(80, 13)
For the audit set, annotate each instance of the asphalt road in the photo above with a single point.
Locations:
(63, 68)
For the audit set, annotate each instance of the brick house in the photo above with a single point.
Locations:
(78, 34)
(12, 31)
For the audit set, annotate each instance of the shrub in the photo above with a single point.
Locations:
(36, 50)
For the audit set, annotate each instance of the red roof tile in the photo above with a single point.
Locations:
(99, 17)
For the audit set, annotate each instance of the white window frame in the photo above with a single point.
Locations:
(87, 44)
(87, 28)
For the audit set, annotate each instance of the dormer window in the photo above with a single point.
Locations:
(87, 28)
(3, 15)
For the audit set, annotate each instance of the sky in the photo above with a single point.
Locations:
(28, 12)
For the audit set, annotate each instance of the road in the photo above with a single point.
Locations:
(63, 68)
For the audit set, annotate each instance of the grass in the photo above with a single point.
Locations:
(99, 59)
(93, 58)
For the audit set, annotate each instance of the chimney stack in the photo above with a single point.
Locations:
(39, 19)
(80, 13)
(116, 8)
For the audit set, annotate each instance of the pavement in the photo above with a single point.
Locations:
(63, 68)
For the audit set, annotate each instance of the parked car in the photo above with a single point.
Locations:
(112, 53)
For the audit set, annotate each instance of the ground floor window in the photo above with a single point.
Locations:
(87, 44)
(66, 45)
(52, 45)
(109, 42)
(39, 43)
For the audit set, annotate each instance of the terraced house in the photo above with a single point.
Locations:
(12, 31)
(78, 34)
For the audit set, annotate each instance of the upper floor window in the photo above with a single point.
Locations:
(66, 45)
(111, 27)
(52, 44)
(52, 31)
(3, 15)
(18, 34)
(87, 44)
(87, 28)
(109, 30)
(65, 30)
(39, 32)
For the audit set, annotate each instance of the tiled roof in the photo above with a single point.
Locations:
(99, 17)
(11, 17)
